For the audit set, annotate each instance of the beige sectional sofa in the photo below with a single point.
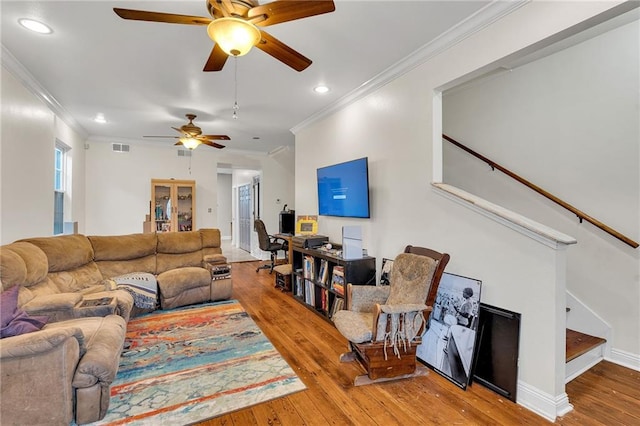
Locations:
(63, 372)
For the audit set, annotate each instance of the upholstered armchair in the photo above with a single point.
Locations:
(384, 324)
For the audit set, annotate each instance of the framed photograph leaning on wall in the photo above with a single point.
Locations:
(449, 339)
(385, 274)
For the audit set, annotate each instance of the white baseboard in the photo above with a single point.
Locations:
(542, 403)
(625, 359)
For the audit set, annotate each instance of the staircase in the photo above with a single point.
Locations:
(582, 352)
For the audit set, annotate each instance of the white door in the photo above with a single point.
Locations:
(244, 217)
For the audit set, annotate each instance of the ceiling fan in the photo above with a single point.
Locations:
(234, 27)
(192, 136)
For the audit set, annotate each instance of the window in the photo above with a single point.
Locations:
(59, 186)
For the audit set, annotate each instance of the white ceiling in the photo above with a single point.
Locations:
(145, 76)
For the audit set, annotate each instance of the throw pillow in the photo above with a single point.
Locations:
(15, 321)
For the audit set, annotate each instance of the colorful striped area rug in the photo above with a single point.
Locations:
(195, 363)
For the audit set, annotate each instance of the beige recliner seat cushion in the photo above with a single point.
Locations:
(184, 286)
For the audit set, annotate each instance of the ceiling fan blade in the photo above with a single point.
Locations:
(289, 10)
(179, 130)
(178, 143)
(282, 52)
(216, 60)
(213, 144)
(171, 137)
(170, 18)
(215, 137)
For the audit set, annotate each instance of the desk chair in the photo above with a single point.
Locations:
(269, 243)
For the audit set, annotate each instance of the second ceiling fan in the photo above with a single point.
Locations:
(234, 27)
(192, 136)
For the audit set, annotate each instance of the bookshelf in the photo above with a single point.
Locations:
(320, 277)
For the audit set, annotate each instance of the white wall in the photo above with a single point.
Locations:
(225, 204)
(394, 127)
(569, 123)
(119, 184)
(29, 132)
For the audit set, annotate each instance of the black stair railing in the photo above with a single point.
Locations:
(581, 215)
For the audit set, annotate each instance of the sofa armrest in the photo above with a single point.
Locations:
(39, 342)
(363, 298)
(37, 371)
(105, 343)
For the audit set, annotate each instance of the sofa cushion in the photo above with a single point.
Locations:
(176, 281)
(179, 242)
(167, 262)
(13, 270)
(113, 268)
(76, 279)
(35, 265)
(64, 252)
(210, 237)
(13, 320)
(123, 247)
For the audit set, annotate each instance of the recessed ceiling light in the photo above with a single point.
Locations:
(321, 89)
(255, 138)
(100, 118)
(35, 26)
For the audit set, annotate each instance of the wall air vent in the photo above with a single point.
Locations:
(120, 147)
(184, 153)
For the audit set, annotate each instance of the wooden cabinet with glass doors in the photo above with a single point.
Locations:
(173, 205)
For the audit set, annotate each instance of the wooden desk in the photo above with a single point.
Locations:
(287, 238)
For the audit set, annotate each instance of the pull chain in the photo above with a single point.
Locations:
(235, 78)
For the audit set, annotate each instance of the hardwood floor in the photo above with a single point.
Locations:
(606, 395)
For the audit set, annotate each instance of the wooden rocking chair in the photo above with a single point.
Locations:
(384, 324)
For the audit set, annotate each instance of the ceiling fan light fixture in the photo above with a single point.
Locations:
(190, 143)
(235, 36)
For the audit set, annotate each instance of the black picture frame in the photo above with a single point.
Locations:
(497, 350)
(448, 343)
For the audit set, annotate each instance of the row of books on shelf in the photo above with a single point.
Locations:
(317, 297)
(324, 271)
(337, 279)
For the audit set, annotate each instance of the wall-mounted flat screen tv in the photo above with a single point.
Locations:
(343, 189)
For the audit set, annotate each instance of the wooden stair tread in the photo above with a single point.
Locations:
(580, 343)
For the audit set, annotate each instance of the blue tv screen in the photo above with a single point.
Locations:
(343, 189)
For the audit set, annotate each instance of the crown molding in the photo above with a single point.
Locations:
(464, 29)
(11, 64)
